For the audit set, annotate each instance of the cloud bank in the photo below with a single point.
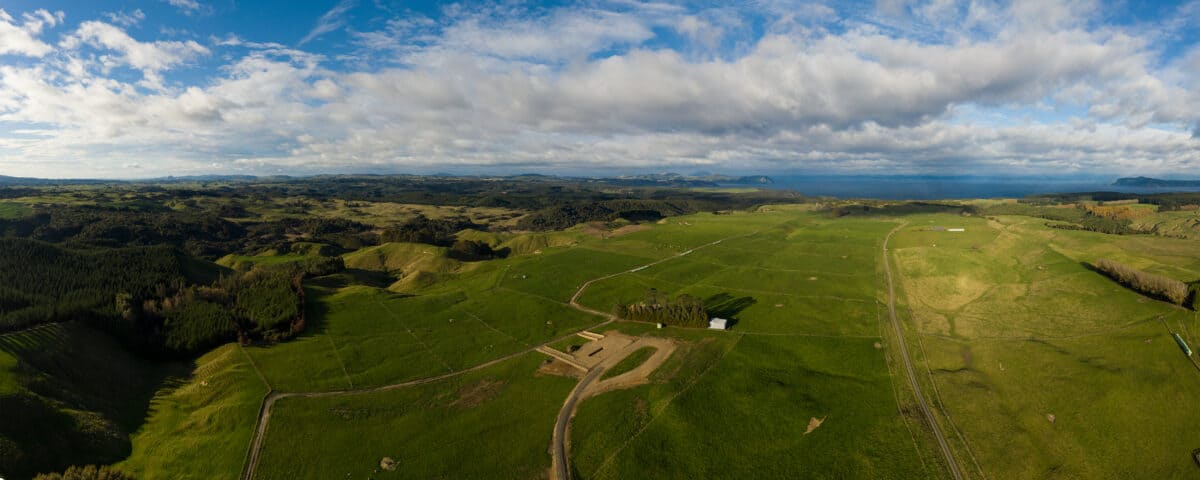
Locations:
(1026, 87)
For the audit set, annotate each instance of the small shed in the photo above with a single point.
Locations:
(718, 323)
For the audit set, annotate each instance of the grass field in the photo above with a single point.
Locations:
(360, 336)
(490, 424)
(1036, 366)
(628, 363)
(801, 288)
(11, 210)
(1035, 357)
(199, 427)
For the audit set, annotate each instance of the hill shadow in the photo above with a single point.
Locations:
(70, 375)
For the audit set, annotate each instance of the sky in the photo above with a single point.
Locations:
(136, 89)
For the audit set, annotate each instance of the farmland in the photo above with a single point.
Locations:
(1034, 356)
(791, 347)
(410, 361)
(808, 373)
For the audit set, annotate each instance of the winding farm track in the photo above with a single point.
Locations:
(912, 376)
(562, 470)
(560, 457)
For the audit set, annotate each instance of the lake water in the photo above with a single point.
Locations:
(939, 188)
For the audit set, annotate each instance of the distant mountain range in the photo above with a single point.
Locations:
(6, 180)
(1155, 182)
(660, 179)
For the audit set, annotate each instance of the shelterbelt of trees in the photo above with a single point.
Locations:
(1150, 284)
(682, 311)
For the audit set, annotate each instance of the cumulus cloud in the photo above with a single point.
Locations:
(149, 57)
(590, 86)
(22, 39)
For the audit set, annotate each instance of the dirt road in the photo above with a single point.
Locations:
(560, 454)
(912, 376)
(562, 425)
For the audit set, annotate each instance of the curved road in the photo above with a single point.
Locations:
(912, 376)
(560, 454)
(562, 426)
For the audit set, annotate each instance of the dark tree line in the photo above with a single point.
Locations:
(149, 298)
(1071, 218)
(1169, 201)
(204, 234)
(441, 232)
(89, 472)
(42, 283)
(474, 251)
(1147, 283)
(683, 311)
(266, 304)
(635, 210)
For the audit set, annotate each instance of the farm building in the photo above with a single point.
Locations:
(718, 323)
(956, 229)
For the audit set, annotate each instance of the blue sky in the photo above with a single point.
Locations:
(183, 87)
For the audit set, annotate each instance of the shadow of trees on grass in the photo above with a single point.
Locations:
(727, 306)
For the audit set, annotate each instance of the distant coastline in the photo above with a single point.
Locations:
(1155, 183)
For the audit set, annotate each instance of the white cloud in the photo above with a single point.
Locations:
(188, 7)
(332, 20)
(149, 57)
(22, 39)
(588, 86)
(126, 19)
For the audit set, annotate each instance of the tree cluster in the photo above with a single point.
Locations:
(89, 472)
(440, 232)
(1147, 283)
(1071, 217)
(266, 304)
(41, 283)
(474, 251)
(683, 311)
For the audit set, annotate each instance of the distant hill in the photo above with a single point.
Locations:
(700, 180)
(6, 180)
(207, 178)
(1155, 182)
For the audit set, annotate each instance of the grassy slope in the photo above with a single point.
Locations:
(1015, 328)
(87, 394)
(200, 427)
(747, 416)
(756, 401)
(490, 424)
(360, 336)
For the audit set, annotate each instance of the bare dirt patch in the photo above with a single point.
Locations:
(609, 357)
(554, 366)
(476, 393)
(813, 423)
